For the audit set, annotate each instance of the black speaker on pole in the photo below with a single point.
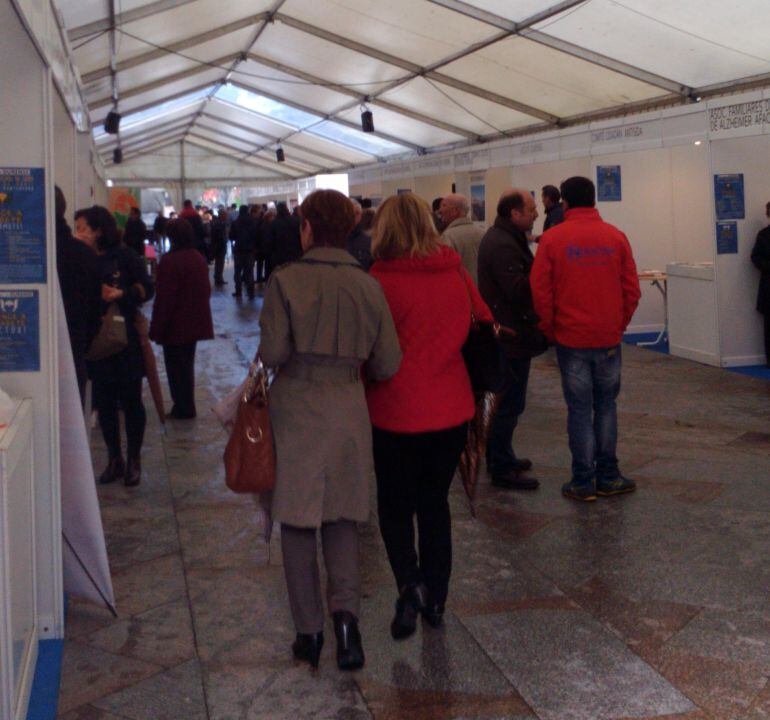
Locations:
(117, 156)
(367, 121)
(279, 155)
(112, 122)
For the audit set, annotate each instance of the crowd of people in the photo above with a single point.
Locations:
(364, 318)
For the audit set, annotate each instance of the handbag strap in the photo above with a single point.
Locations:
(497, 328)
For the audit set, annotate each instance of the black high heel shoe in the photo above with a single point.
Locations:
(408, 606)
(350, 653)
(115, 470)
(308, 648)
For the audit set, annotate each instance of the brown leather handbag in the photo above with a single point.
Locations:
(250, 452)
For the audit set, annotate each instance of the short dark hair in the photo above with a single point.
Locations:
(100, 219)
(436, 203)
(282, 210)
(82, 213)
(181, 234)
(134, 209)
(552, 193)
(59, 202)
(512, 201)
(187, 203)
(330, 215)
(578, 191)
(366, 203)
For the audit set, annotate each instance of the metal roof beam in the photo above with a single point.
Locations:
(129, 16)
(234, 156)
(140, 136)
(360, 97)
(179, 46)
(524, 29)
(170, 98)
(176, 77)
(414, 69)
(153, 147)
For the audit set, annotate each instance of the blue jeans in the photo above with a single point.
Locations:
(500, 456)
(590, 378)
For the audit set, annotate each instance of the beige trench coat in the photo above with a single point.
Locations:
(323, 316)
(464, 237)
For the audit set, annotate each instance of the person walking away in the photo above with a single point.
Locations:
(243, 234)
(585, 290)
(359, 244)
(135, 232)
(505, 261)
(181, 315)
(323, 319)
(285, 236)
(420, 416)
(219, 246)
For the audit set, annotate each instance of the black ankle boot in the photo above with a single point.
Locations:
(116, 469)
(308, 648)
(350, 653)
(408, 607)
(433, 614)
(133, 472)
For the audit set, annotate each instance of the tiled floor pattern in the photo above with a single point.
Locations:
(653, 605)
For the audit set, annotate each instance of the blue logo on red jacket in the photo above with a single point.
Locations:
(584, 256)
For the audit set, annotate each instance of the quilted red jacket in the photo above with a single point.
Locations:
(430, 300)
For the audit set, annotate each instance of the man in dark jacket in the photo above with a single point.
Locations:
(359, 243)
(284, 234)
(190, 214)
(135, 231)
(243, 233)
(505, 261)
(219, 230)
(81, 290)
(760, 256)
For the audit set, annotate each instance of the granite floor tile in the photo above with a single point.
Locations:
(567, 666)
(148, 585)
(84, 617)
(89, 712)
(89, 674)
(171, 695)
(760, 706)
(162, 635)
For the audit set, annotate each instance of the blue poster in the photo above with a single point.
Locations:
(728, 197)
(727, 238)
(22, 225)
(19, 331)
(608, 183)
(478, 203)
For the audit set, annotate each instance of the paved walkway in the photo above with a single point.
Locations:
(653, 605)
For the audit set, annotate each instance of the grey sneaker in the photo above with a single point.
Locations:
(585, 491)
(616, 486)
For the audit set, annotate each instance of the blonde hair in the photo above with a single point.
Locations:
(403, 226)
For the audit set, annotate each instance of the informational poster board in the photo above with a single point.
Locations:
(120, 202)
(22, 225)
(608, 188)
(727, 238)
(729, 197)
(19, 331)
(478, 202)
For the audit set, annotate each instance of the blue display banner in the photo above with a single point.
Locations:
(727, 238)
(22, 225)
(19, 331)
(608, 183)
(729, 197)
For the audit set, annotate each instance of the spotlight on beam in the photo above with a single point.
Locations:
(117, 156)
(112, 122)
(279, 154)
(367, 119)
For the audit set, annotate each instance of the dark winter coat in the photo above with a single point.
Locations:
(285, 239)
(243, 233)
(134, 235)
(505, 262)
(360, 247)
(760, 256)
(181, 313)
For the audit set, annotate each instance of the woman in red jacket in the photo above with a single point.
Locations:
(181, 315)
(420, 415)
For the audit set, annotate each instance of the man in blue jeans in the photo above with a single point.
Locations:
(585, 290)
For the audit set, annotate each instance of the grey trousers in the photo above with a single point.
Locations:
(339, 541)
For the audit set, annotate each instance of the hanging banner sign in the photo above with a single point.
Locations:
(608, 183)
(19, 331)
(729, 197)
(727, 238)
(22, 225)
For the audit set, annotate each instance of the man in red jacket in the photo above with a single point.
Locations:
(585, 289)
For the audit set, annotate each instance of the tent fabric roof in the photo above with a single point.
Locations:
(237, 78)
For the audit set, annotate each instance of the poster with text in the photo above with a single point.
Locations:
(478, 203)
(729, 197)
(608, 183)
(120, 202)
(727, 238)
(22, 225)
(19, 331)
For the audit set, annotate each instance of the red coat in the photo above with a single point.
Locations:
(584, 282)
(181, 313)
(431, 307)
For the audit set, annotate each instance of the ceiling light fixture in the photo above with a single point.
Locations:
(367, 118)
(279, 154)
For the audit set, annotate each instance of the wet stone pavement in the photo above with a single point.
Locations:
(652, 605)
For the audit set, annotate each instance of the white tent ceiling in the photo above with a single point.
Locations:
(234, 79)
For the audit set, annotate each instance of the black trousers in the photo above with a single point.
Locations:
(127, 392)
(219, 264)
(767, 338)
(244, 272)
(180, 369)
(414, 472)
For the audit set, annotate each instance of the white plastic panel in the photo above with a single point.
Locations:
(236, 146)
(548, 79)
(403, 127)
(694, 43)
(516, 10)
(336, 63)
(254, 166)
(464, 110)
(420, 32)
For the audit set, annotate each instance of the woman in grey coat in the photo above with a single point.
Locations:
(323, 319)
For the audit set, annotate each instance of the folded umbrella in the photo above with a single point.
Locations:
(150, 366)
(476, 443)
